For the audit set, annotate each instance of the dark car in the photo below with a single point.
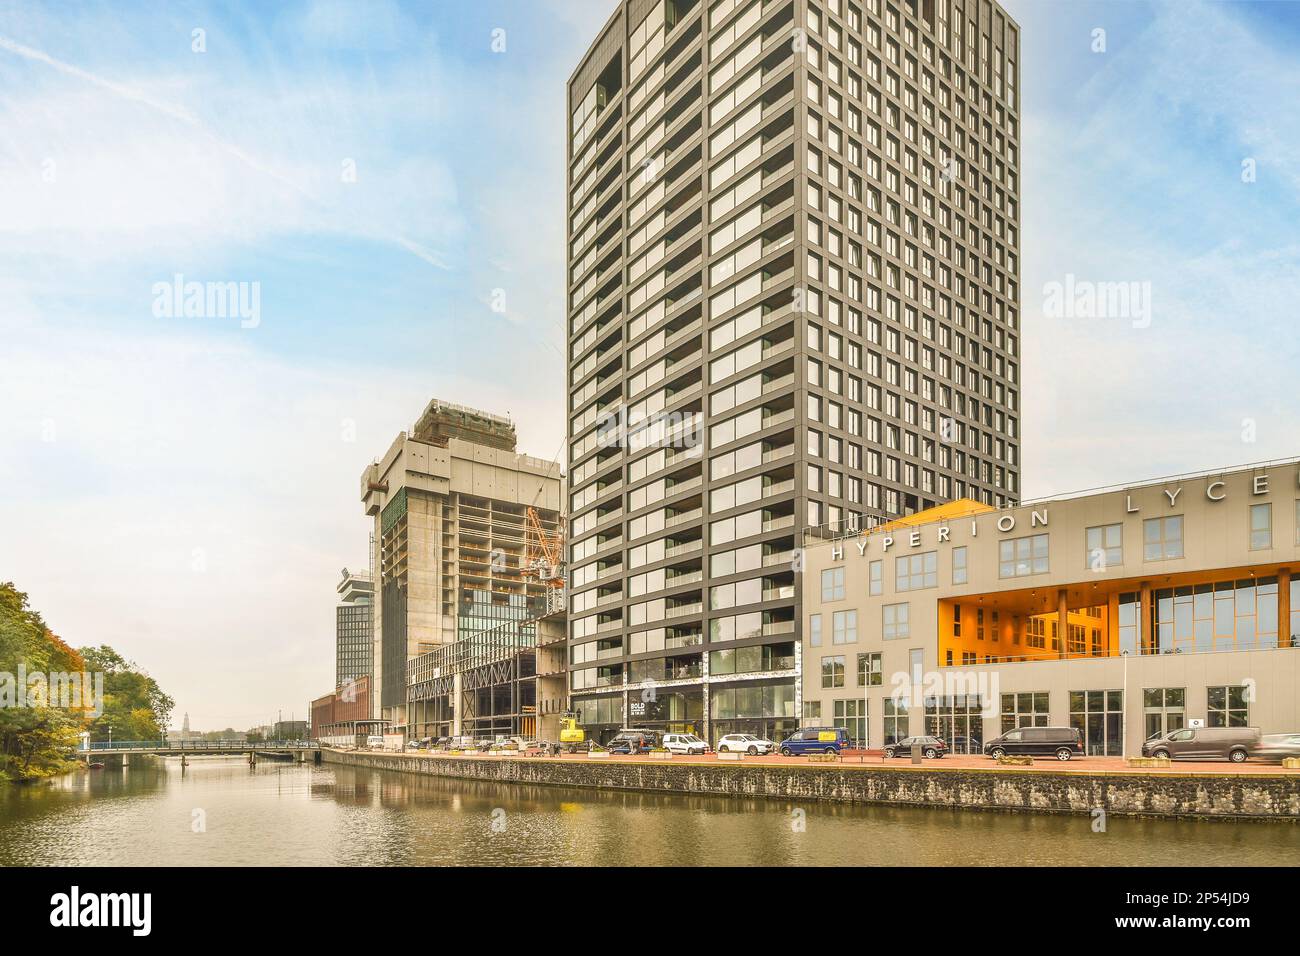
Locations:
(816, 740)
(931, 747)
(1059, 742)
(631, 744)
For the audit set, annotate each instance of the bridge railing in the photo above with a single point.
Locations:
(204, 745)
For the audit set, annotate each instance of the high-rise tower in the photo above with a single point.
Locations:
(793, 285)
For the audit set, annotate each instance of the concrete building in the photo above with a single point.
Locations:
(354, 627)
(1124, 612)
(449, 501)
(793, 284)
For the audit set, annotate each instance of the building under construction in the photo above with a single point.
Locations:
(484, 684)
(454, 508)
(505, 675)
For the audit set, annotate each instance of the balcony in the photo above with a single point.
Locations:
(684, 517)
(683, 610)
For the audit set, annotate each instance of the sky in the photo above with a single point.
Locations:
(389, 178)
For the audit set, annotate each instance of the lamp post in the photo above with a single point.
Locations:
(1123, 714)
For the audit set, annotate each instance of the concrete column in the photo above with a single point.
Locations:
(454, 700)
(1146, 642)
(1284, 608)
(1063, 619)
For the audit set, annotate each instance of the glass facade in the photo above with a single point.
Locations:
(1099, 714)
(1024, 710)
(1164, 709)
(851, 715)
(957, 719)
(896, 721)
(1227, 706)
(1225, 616)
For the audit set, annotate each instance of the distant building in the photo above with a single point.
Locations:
(354, 627)
(176, 736)
(339, 716)
(289, 730)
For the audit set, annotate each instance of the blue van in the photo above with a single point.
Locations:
(815, 740)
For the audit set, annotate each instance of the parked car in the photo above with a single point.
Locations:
(1204, 743)
(374, 742)
(422, 744)
(821, 740)
(631, 743)
(931, 747)
(520, 743)
(1059, 742)
(745, 743)
(685, 744)
(1277, 747)
(441, 743)
(483, 743)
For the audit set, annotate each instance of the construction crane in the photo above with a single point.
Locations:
(543, 552)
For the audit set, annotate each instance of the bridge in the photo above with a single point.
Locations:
(165, 749)
(304, 750)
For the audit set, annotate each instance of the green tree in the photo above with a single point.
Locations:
(135, 707)
(34, 740)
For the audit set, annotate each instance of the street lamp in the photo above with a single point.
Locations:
(1123, 714)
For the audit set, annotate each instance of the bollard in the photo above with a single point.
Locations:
(916, 753)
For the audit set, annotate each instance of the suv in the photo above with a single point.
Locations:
(745, 743)
(931, 747)
(1204, 743)
(684, 744)
(1059, 742)
(631, 742)
(818, 740)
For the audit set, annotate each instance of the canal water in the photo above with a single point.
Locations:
(219, 811)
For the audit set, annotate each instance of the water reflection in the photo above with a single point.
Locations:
(277, 814)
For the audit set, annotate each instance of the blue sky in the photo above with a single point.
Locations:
(186, 489)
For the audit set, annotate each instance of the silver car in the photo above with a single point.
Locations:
(1277, 747)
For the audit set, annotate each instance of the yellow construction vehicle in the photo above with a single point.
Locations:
(572, 737)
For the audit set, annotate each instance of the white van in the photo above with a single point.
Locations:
(684, 744)
(374, 742)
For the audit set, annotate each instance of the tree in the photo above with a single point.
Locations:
(36, 735)
(134, 705)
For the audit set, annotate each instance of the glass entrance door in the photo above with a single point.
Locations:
(1163, 711)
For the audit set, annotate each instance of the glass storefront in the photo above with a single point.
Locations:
(959, 720)
(1025, 710)
(669, 712)
(766, 710)
(1164, 709)
(1099, 714)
